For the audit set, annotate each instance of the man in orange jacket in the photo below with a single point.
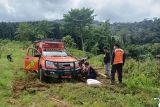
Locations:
(118, 60)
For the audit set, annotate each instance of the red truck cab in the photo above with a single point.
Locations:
(50, 59)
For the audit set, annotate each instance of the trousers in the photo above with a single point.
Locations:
(118, 68)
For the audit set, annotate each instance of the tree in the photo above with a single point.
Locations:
(25, 31)
(98, 37)
(76, 20)
(43, 28)
(69, 42)
(106, 35)
(95, 49)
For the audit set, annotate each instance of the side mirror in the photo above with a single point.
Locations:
(37, 55)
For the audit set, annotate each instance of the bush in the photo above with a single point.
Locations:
(142, 51)
(143, 74)
(69, 42)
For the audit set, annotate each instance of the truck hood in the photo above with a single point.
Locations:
(61, 59)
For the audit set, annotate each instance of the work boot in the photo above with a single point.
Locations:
(120, 82)
(107, 77)
(112, 82)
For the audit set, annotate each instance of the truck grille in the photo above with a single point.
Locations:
(62, 65)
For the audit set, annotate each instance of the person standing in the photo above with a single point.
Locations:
(106, 61)
(118, 60)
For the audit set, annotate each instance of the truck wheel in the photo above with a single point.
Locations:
(75, 75)
(41, 76)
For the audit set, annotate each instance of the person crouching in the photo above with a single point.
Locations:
(89, 71)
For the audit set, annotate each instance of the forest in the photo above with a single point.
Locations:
(138, 38)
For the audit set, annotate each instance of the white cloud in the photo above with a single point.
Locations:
(7, 7)
(115, 10)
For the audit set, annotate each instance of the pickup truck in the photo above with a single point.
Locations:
(50, 59)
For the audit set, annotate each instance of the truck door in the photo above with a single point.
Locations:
(31, 59)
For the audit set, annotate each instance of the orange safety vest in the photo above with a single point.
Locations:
(118, 56)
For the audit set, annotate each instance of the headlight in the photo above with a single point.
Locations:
(49, 63)
(76, 63)
(72, 64)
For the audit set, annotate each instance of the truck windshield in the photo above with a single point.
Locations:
(54, 53)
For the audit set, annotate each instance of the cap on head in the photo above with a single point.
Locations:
(117, 45)
(105, 48)
(86, 63)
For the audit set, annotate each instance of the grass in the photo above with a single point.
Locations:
(78, 53)
(8, 70)
(141, 85)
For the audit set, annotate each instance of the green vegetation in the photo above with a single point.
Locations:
(139, 38)
(76, 22)
(141, 80)
(27, 32)
(69, 42)
(78, 29)
(9, 69)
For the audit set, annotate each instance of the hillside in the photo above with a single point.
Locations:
(146, 31)
(21, 89)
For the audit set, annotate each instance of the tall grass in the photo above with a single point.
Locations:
(9, 69)
(144, 74)
(142, 79)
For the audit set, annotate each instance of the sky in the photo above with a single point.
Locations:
(113, 10)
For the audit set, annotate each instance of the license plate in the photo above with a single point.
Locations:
(52, 72)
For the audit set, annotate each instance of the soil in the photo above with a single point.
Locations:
(31, 84)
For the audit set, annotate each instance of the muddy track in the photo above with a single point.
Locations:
(29, 83)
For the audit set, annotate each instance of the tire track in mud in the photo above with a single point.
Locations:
(31, 84)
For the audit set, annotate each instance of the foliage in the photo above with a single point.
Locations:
(96, 61)
(146, 31)
(143, 51)
(43, 29)
(26, 31)
(78, 53)
(140, 39)
(98, 37)
(69, 42)
(7, 30)
(80, 25)
(143, 75)
(95, 49)
(76, 21)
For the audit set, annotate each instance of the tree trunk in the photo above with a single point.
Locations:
(82, 40)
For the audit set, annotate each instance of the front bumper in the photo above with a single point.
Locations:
(61, 73)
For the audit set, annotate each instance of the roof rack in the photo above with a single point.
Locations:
(49, 40)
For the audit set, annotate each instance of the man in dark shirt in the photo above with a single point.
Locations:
(106, 61)
(89, 71)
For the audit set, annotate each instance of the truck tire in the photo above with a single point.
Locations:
(75, 75)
